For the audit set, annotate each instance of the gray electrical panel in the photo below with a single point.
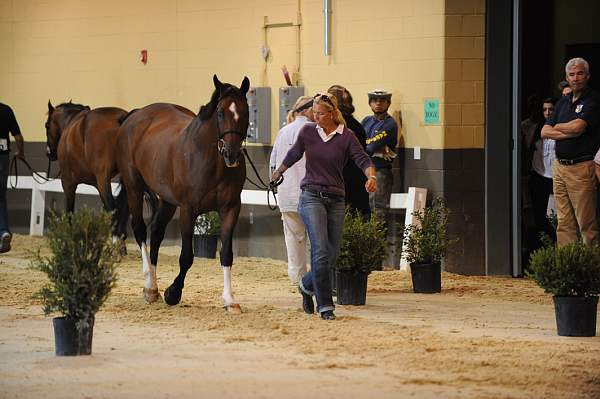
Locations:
(259, 107)
(287, 98)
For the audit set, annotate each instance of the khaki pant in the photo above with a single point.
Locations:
(575, 197)
(295, 243)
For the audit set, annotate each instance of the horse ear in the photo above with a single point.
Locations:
(70, 101)
(245, 85)
(50, 107)
(87, 107)
(217, 82)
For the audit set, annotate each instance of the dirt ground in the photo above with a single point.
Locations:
(482, 337)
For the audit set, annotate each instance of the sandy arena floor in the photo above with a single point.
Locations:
(480, 338)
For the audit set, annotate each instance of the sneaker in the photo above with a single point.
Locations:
(5, 242)
(328, 315)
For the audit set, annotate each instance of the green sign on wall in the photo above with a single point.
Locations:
(431, 109)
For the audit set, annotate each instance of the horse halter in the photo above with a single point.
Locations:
(221, 140)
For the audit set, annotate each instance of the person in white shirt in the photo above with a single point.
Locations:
(289, 191)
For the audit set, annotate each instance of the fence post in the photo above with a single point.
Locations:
(38, 206)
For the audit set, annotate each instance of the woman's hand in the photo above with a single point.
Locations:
(276, 175)
(371, 184)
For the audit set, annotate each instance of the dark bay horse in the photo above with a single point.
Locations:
(191, 162)
(84, 141)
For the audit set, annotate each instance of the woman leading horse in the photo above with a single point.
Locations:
(191, 162)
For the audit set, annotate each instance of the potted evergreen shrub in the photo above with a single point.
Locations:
(425, 244)
(206, 232)
(363, 248)
(81, 271)
(571, 273)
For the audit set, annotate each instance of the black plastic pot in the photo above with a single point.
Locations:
(205, 246)
(69, 340)
(351, 288)
(575, 315)
(426, 277)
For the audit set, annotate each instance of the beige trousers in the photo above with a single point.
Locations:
(295, 243)
(575, 197)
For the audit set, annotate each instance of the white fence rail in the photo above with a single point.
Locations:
(412, 201)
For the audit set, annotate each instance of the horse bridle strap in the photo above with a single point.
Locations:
(223, 134)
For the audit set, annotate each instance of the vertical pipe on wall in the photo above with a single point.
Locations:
(517, 203)
(327, 33)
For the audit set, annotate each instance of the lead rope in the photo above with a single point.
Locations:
(38, 178)
(271, 187)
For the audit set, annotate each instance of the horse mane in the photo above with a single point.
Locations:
(72, 106)
(209, 108)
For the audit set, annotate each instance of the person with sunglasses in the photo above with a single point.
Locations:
(327, 145)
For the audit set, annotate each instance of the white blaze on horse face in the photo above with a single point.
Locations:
(227, 294)
(148, 269)
(233, 110)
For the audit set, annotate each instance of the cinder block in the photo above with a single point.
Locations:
(453, 25)
(459, 92)
(473, 25)
(472, 114)
(479, 91)
(462, 47)
(451, 114)
(473, 70)
(452, 69)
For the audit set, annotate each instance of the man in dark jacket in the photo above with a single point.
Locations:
(382, 138)
(8, 124)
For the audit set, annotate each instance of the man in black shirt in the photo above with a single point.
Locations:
(575, 127)
(8, 123)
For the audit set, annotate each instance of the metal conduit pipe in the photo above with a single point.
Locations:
(327, 12)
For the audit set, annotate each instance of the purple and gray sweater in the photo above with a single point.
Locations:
(325, 160)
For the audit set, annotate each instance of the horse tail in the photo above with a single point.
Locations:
(124, 117)
(122, 211)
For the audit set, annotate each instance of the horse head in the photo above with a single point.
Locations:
(232, 119)
(58, 118)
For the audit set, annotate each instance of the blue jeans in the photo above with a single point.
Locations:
(324, 221)
(4, 164)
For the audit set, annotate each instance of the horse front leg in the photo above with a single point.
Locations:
(186, 258)
(228, 221)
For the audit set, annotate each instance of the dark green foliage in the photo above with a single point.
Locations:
(208, 224)
(81, 268)
(570, 270)
(364, 244)
(427, 241)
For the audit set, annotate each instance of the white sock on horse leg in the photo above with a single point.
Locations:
(148, 269)
(227, 292)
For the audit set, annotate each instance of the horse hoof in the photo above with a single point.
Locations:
(234, 308)
(151, 295)
(172, 297)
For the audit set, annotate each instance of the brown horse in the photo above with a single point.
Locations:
(191, 162)
(84, 142)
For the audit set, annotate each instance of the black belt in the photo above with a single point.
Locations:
(575, 161)
(322, 194)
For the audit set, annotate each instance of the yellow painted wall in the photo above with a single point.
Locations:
(88, 51)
